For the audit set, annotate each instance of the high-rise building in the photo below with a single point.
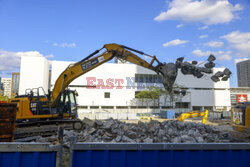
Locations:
(6, 86)
(15, 83)
(243, 73)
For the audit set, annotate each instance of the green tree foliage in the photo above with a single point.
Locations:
(152, 94)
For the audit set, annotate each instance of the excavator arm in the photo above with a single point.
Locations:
(184, 116)
(124, 53)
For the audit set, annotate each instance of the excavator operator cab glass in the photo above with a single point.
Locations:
(67, 106)
(68, 103)
(73, 104)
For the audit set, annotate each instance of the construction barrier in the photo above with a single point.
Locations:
(29, 155)
(160, 155)
(7, 121)
(125, 155)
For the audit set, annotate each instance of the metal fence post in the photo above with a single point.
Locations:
(60, 150)
(72, 142)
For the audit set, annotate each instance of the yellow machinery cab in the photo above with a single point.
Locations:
(240, 117)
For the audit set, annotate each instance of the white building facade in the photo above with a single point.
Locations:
(114, 85)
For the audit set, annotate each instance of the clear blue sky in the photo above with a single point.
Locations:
(69, 30)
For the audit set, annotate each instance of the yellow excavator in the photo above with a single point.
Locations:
(61, 102)
(193, 114)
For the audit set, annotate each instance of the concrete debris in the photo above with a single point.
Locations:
(118, 138)
(170, 131)
(127, 139)
(169, 71)
(225, 78)
(211, 58)
(219, 74)
(194, 62)
(227, 72)
(209, 65)
(28, 139)
(215, 79)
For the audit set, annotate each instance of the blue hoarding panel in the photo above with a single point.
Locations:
(27, 159)
(170, 114)
(144, 158)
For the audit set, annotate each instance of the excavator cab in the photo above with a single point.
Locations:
(240, 117)
(68, 105)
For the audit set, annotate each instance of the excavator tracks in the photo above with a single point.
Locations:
(26, 131)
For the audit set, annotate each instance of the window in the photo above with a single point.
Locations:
(136, 77)
(181, 105)
(106, 94)
(166, 107)
(107, 107)
(197, 108)
(83, 107)
(141, 78)
(154, 107)
(209, 108)
(72, 99)
(142, 107)
(122, 107)
(150, 79)
(147, 78)
(94, 107)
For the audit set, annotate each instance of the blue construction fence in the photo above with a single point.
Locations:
(160, 155)
(126, 155)
(13, 154)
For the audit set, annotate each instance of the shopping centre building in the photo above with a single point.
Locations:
(114, 85)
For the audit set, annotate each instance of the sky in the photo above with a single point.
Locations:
(69, 30)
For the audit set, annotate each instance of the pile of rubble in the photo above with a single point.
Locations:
(170, 131)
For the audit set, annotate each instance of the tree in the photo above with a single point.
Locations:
(143, 96)
(151, 95)
(168, 97)
(171, 96)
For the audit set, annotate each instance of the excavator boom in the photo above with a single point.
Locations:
(87, 64)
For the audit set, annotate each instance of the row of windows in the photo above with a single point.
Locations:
(147, 78)
(179, 105)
